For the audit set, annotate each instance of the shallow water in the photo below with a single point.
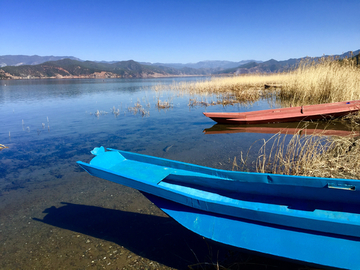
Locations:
(53, 215)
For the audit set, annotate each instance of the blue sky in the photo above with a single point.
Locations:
(184, 31)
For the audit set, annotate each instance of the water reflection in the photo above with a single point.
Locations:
(334, 128)
(16, 90)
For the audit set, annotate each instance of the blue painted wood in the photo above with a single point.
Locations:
(316, 249)
(315, 206)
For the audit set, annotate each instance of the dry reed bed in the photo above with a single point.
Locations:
(226, 90)
(311, 155)
(323, 81)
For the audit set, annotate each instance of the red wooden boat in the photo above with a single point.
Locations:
(291, 114)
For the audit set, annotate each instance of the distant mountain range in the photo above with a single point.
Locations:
(29, 67)
(272, 65)
(20, 60)
(204, 64)
(68, 68)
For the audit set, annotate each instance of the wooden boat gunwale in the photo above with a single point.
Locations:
(289, 114)
(205, 199)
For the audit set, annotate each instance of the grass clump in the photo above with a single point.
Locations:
(325, 80)
(311, 155)
(240, 89)
(3, 146)
(163, 104)
(138, 109)
(226, 90)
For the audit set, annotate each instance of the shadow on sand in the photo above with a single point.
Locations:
(160, 239)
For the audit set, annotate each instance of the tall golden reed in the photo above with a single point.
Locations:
(311, 155)
(322, 81)
(236, 89)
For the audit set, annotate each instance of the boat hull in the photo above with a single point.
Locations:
(301, 246)
(291, 114)
(276, 203)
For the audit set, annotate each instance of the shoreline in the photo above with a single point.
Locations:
(97, 77)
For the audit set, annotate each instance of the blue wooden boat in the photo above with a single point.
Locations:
(307, 219)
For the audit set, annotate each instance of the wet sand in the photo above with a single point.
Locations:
(82, 222)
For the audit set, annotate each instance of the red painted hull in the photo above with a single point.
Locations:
(292, 114)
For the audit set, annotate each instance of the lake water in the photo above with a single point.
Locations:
(53, 215)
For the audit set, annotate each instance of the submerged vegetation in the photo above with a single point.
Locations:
(163, 104)
(138, 109)
(3, 146)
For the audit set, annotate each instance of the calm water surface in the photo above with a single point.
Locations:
(55, 216)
